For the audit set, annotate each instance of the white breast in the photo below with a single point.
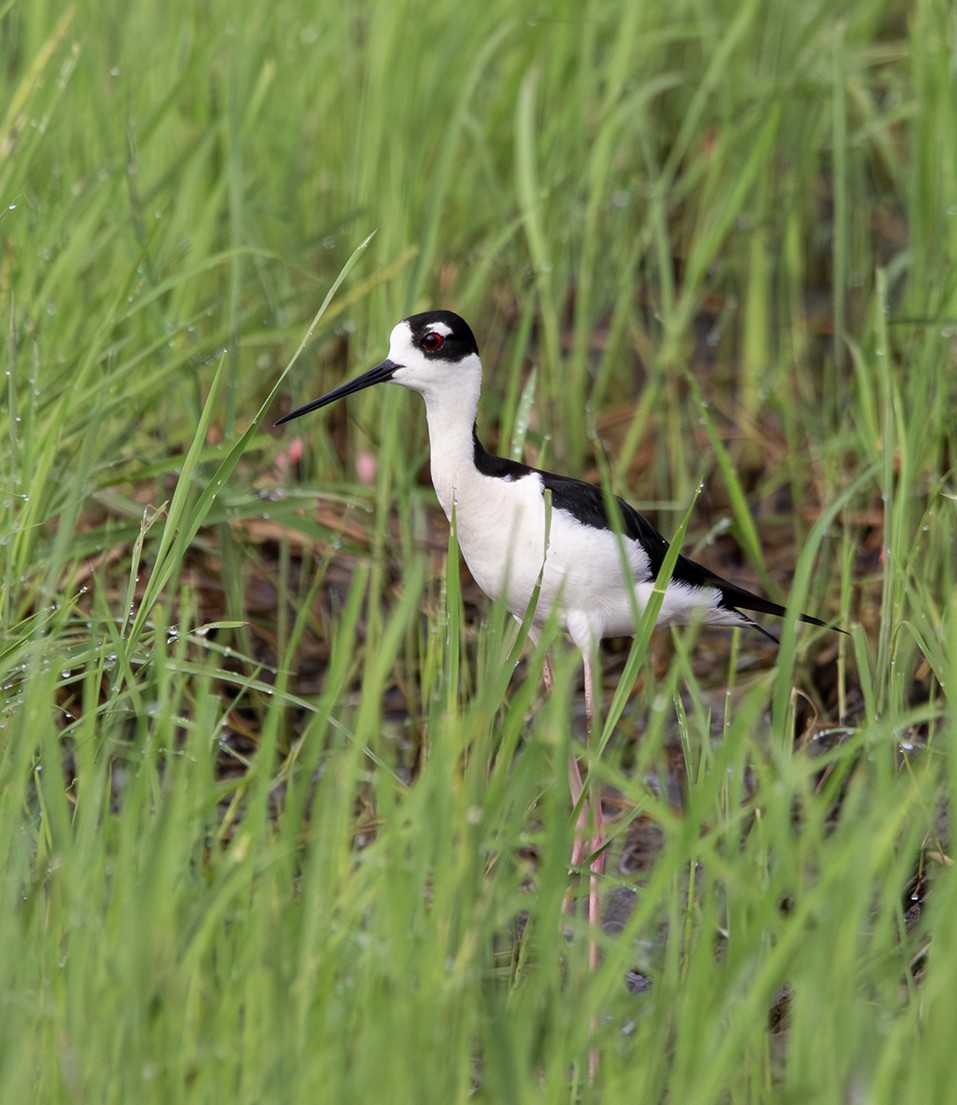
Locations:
(598, 580)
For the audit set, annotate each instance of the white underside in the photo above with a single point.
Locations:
(501, 525)
(501, 530)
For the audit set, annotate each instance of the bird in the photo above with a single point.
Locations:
(522, 529)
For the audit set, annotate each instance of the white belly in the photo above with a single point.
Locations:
(596, 581)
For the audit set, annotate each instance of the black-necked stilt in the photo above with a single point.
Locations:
(511, 541)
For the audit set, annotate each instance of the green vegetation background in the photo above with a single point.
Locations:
(725, 237)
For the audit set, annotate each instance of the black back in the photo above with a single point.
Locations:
(586, 502)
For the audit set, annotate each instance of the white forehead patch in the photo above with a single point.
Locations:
(400, 341)
(402, 331)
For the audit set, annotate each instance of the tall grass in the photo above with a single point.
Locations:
(699, 244)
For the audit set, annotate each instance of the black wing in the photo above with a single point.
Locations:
(586, 502)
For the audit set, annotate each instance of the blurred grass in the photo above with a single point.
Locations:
(701, 239)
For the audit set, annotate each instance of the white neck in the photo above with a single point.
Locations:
(451, 393)
(451, 418)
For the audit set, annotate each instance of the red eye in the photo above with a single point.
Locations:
(433, 342)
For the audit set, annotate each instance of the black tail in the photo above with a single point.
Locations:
(733, 598)
(737, 599)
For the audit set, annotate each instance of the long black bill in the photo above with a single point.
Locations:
(378, 375)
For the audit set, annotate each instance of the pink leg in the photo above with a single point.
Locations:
(547, 678)
(586, 808)
(576, 786)
(596, 867)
